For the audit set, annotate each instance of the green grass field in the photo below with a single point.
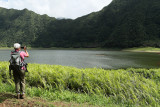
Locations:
(130, 87)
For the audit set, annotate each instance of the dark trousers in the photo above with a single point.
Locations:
(19, 78)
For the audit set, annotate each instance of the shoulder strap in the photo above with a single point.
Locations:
(16, 51)
(12, 51)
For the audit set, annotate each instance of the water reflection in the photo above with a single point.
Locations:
(90, 59)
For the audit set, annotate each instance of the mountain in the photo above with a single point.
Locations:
(21, 26)
(122, 24)
(137, 24)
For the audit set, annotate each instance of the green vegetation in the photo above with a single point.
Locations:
(143, 49)
(21, 26)
(130, 87)
(122, 24)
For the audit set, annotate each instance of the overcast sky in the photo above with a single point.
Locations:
(57, 8)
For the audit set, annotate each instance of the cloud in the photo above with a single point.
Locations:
(4, 0)
(57, 8)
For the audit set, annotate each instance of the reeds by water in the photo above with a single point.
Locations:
(121, 87)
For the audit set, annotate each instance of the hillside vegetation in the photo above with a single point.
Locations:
(122, 24)
(134, 87)
(21, 26)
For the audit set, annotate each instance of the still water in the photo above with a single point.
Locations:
(90, 59)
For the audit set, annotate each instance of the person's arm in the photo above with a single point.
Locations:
(25, 49)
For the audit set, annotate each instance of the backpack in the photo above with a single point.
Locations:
(15, 61)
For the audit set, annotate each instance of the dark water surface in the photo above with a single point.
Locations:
(90, 59)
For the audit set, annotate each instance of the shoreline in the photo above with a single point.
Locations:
(134, 49)
(55, 48)
(143, 49)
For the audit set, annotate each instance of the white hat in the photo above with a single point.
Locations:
(17, 45)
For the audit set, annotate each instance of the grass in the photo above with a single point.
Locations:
(130, 87)
(143, 49)
(6, 48)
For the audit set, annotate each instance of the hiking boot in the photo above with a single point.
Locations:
(22, 96)
(18, 96)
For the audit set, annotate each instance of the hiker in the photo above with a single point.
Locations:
(19, 68)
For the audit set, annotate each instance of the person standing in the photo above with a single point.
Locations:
(18, 66)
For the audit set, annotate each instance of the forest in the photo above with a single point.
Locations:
(121, 24)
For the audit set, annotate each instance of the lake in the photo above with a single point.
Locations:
(90, 58)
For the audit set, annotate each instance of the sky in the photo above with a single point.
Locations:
(57, 8)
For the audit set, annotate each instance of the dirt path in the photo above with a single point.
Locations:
(9, 100)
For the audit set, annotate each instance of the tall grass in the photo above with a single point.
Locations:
(128, 87)
(143, 49)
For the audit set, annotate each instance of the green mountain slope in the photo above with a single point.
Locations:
(123, 23)
(137, 25)
(21, 26)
